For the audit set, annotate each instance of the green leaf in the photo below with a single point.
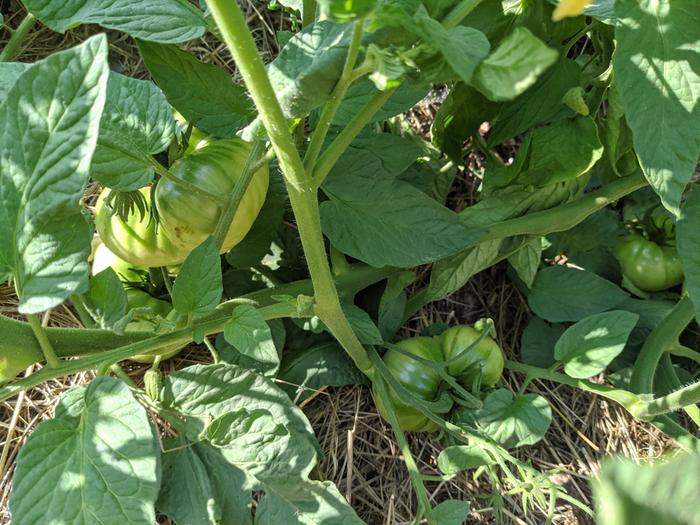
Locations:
(513, 66)
(392, 304)
(362, 324)
(404, 98)
(203, 93)
(198, 287)
(526, 261)
(538, 341)
(9, 73)
(589, 346)
(658, 77)
(512, 422)
(376, 218)
(688, 239)
(106, 299)
(538, 103)
(253, 441)
(200, 488)
(561, 151)
(451, 273)
(450, 512)
(166, 21)
(100, 443)
(658, 493)
(137, 122)
(457, 458)
(560, 293)
(306, 370)
(307, 503)
(459, 117)
(307, 69)
(205, 392)
(248, 332)
(49, 124)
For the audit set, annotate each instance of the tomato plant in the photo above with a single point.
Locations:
(299, 191)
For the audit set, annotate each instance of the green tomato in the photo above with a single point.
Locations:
(649, 266)
(485, 359)
(416, 377)
(138, 241)
(136, 298)
(104, 259)
(188, 218)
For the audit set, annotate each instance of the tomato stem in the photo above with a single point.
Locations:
(165, 173)
(663, 338)
(17, 37)
(302, 192)
(331, 107)
(459, 12)
(331, 155)
(46, 347)
(413, 471)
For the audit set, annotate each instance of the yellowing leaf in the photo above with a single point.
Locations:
(567, 8)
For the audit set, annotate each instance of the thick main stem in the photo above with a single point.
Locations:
(302, 193)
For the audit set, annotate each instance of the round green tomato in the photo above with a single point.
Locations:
(139, 299)
(419, 379)
(104, 259)
(138, 241)
(189, 218)
(649, 266)
(486, 358)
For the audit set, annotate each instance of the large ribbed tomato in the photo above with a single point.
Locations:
(189, 218)
(138, 240)
(648, 265)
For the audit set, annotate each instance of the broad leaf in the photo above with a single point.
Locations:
(457, 458)
(306, 370)
(167, 21)
(200, 488)
(307, 503)
(248, 332)
(137, 122)
(96, 462)
(560, 293)
(49, 123)
(526, 261)
(589, 346)
(561, 151)
(206, 392)
(404, 98)
(198, 287)
(688, 238)
(376, 219)
(512, 422)
(106, 299)
(539, 103)
(305, 72)
(513, 66)
(660, 493)
(450, 512)
(658, 76)
(538, 341)
(203, 93)
(9, 73)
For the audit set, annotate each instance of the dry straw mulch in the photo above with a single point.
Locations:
(361, 455)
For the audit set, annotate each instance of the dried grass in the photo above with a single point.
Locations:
(361, 455)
